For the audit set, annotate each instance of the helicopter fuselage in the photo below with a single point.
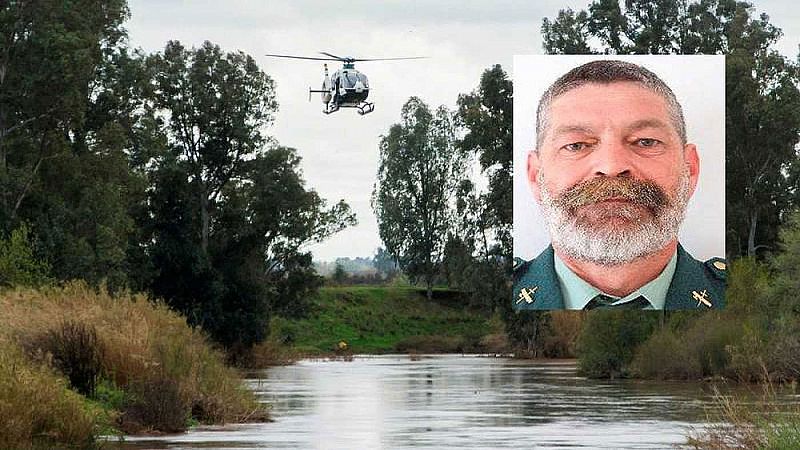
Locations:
(346, 88)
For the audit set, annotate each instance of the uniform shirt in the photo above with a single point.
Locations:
(695, 284)
(577, 292)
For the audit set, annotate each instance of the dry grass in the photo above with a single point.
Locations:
(767, 424)
(142, 340)
(36, 408)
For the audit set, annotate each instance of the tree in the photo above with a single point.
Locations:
(271, 211)
(762, 99)
(49, 52)
(255, 265)
(488, 117)
(18, 264)
(385, 263)
(567, 34)
(339, 274)
(419, 171)
(214, 107)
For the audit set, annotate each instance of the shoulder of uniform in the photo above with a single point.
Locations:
(718, 267)
(520, 267)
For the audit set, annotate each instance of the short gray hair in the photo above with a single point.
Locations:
(607, 72)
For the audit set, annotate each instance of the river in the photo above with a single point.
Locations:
(453, 401)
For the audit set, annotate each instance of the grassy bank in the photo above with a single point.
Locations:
(96, 364)
(388, 319)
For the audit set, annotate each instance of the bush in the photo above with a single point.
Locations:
(607, 342)
(561, 337)
(18, 266)
(650, 362)
(142, 341)
(76, 352)
(36, 408)
(158, 402)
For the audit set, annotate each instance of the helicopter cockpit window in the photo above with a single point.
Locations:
(349, 79)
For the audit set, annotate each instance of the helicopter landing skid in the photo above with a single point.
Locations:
(365, 108)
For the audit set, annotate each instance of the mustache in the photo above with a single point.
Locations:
(643, 192)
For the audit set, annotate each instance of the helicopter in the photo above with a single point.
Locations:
(347, 87)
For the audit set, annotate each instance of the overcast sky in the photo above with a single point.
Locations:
(461, 38)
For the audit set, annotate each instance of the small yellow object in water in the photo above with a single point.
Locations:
(720, 265)
(342, 345)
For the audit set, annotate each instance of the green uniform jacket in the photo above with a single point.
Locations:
(695, 285)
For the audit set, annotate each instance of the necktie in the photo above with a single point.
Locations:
(605, 302)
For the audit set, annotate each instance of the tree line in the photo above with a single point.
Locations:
(151, 172)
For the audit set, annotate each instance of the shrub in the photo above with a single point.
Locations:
(36, 408)
(76, 352)
(18, 266)
(561, 337)
(650, 362)
(142, 340)
(607, 342)
(157, 402)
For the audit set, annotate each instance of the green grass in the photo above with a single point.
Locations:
(375, 319)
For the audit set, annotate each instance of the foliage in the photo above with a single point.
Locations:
(339, 274)
(75, 351)
(229, 216)
(743, 423)
(61, 171)
(143, 341)
(487, 114)
(609, 338)
(156, 402)
(18, 265)
(567, 34)
(420, 169)
(38, 409)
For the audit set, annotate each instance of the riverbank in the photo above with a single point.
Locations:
(76, 364)
(386, 319)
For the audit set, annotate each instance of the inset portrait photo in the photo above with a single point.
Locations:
(619, 182)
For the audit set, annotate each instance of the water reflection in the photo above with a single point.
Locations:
(454, 401)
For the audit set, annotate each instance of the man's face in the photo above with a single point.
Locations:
(612, 175)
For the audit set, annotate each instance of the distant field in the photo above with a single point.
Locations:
(386, 319)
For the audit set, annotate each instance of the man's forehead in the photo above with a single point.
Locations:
(617, 91)
(628, 103)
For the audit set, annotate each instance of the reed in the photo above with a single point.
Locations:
(148, 352)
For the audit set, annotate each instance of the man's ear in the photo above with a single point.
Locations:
(692, 161)
(534, 166)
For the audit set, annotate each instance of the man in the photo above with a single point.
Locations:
(613, 173)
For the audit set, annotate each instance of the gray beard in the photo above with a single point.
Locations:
(615, 245)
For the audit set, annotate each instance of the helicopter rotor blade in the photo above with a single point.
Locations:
(349, 59)
(302, 57)
(334, 56)
(389, 59)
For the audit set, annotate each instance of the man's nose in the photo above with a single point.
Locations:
(611, 159)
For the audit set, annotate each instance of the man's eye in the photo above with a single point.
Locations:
(575, 146)
(647, 142)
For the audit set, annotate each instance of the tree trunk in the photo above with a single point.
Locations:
(751, 237)
(430, 290)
